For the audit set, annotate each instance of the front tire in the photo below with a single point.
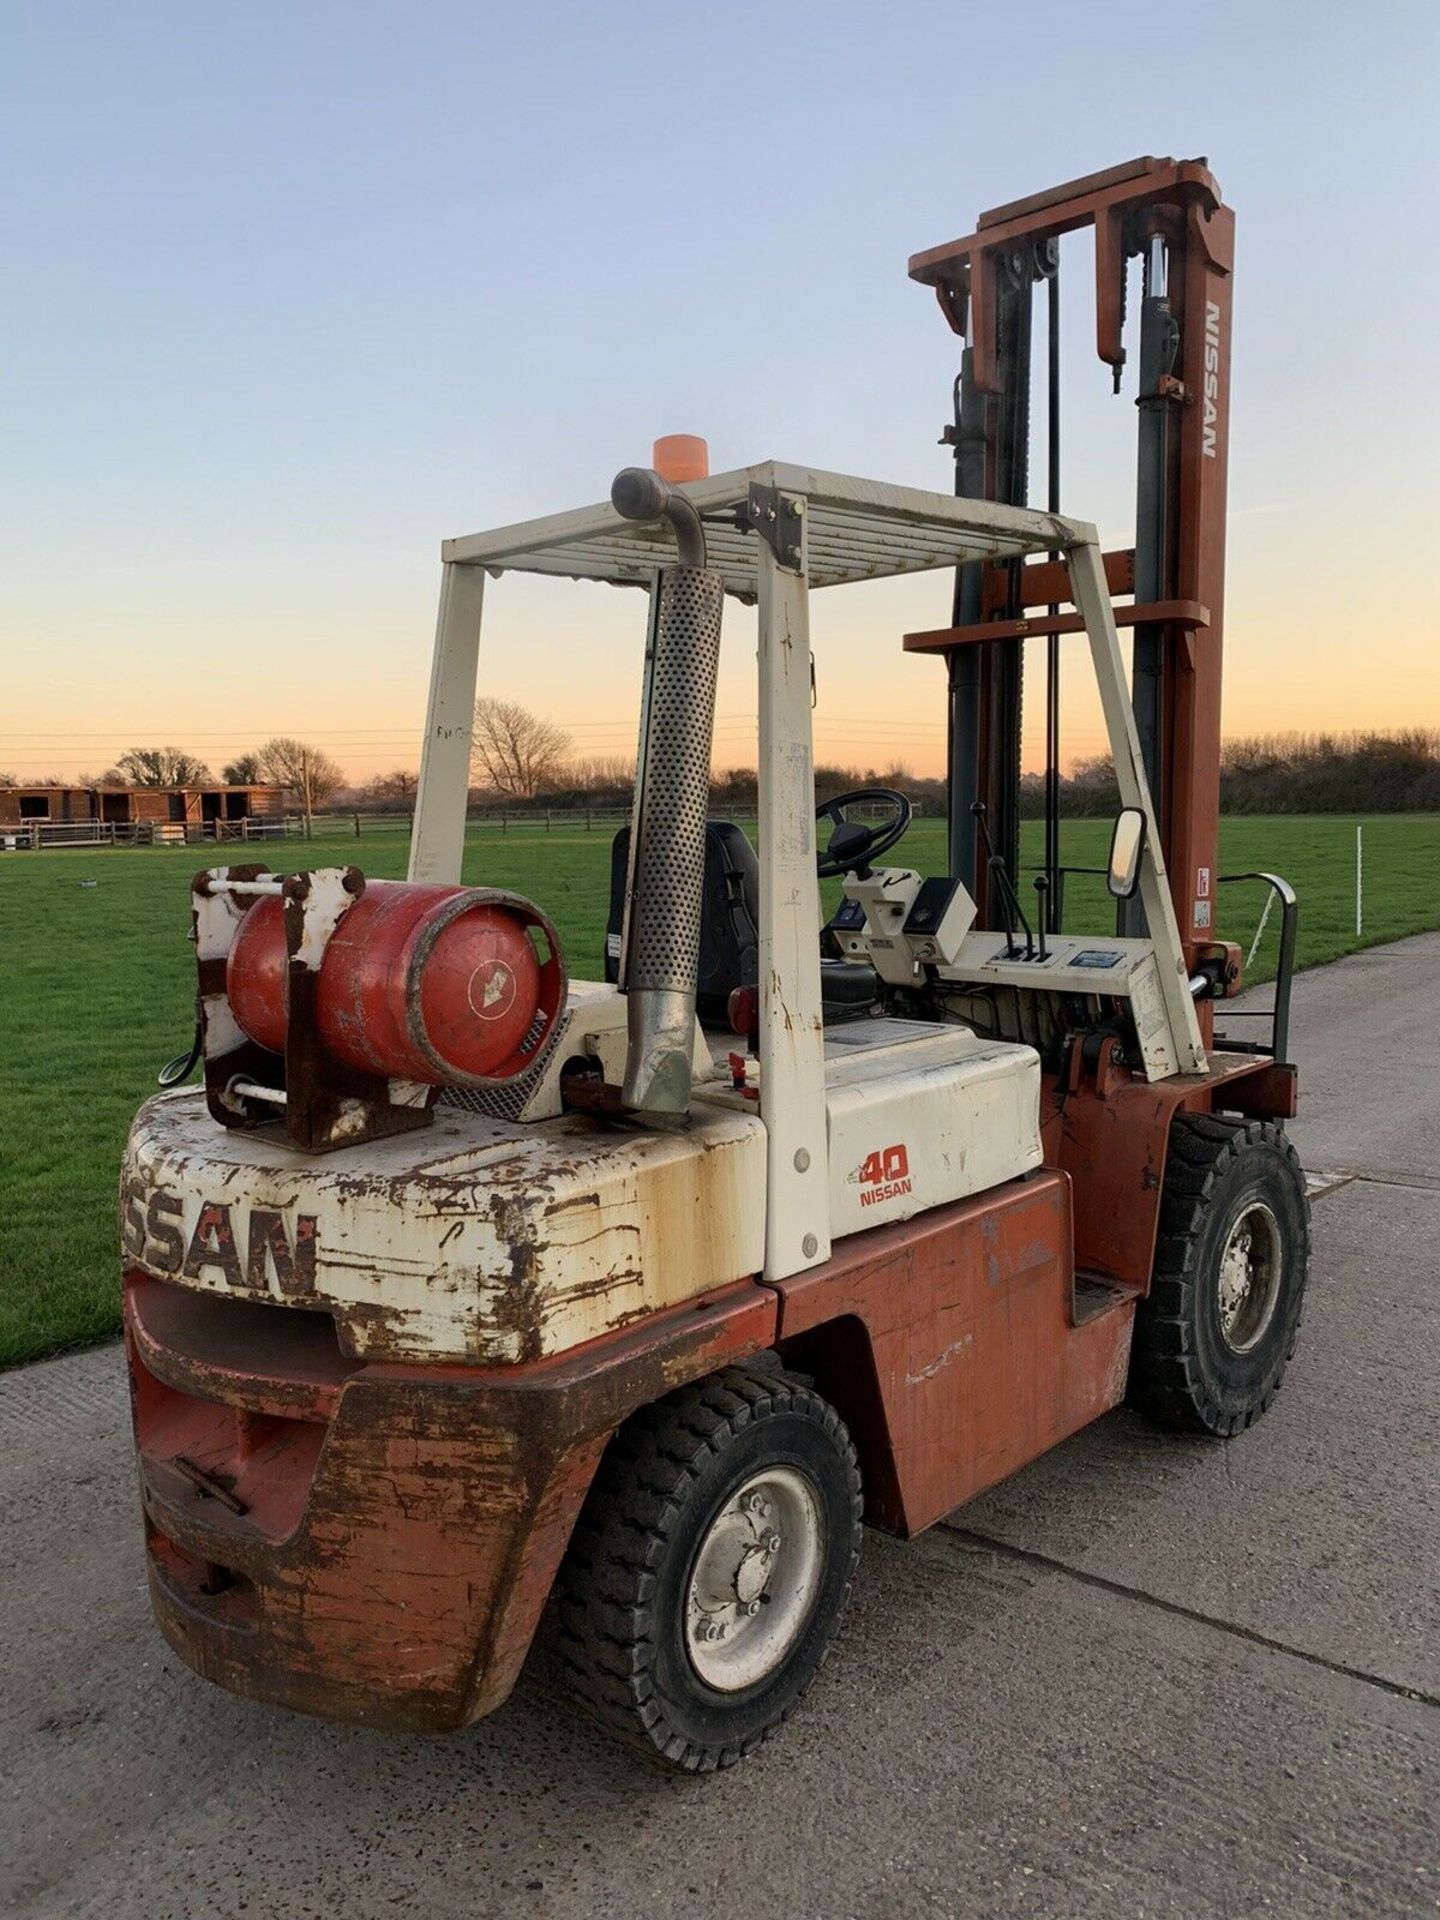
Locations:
(1219, 1326)
(710, 1566)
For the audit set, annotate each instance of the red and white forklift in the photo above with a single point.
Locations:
(464, 1286)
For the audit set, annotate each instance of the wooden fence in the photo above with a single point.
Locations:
(33, 834)
(360, 825)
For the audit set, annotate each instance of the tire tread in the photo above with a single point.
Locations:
(605, 1624)
(1166, 1378)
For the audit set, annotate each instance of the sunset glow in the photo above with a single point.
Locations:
(315, 308)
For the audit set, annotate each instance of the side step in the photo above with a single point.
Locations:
(1092, 1294)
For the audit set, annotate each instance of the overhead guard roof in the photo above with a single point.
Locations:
(857, 530)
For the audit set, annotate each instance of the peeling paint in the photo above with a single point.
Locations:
(480, 1240)
(941, 1360)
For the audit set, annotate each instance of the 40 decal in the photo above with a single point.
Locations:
(884, 1175)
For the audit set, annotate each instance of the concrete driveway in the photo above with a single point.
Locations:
(1149, 1676)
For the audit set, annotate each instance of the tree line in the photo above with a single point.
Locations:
(519, 758)
(1359, 772)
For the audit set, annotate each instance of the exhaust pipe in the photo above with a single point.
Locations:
(661, 941)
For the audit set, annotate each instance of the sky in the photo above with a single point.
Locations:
(295, 291)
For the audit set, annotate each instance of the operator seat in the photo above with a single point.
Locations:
(730, 930)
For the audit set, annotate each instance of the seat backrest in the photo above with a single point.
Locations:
(729, 915)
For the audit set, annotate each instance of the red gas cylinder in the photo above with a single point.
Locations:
(438, 984)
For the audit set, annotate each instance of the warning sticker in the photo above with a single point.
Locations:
(1202, 884)
(1202, 913)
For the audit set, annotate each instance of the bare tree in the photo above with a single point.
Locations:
(242, 771)
(309, 772)
(8, 779)
(391, 789)
(603, 776)
(514, 751)
(162, 767)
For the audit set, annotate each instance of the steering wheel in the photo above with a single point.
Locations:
(853, 844)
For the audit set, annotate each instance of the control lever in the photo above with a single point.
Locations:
(996, 869)
(1042, 888)
(1009, 899)
(977, 809)
(1010, 909)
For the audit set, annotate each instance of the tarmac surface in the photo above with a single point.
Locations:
(1148, 1676)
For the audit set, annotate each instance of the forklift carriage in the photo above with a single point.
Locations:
(462, 1285)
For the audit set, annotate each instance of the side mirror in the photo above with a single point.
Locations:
(1122, 875)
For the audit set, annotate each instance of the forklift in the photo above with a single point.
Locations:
(463, 1289)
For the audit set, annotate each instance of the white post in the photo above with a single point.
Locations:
(792, 1047)
(1092, 598)
(1359, 880)
(437, 840)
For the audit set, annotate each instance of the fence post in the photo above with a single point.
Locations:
(547, 819)
(357, 826)
(1359, 880)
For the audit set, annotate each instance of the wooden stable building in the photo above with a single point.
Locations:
(211, 809)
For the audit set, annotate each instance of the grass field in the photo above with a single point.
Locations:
(98, 983)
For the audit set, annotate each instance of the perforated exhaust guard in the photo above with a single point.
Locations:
(667, 843)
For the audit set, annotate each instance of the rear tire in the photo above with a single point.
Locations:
(710, 1566)
(1219, 1326)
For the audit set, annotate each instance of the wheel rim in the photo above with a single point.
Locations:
(1249, 1282)
(754, 1581)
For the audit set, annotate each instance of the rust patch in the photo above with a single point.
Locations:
(391, 1567)
(518, 1302)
